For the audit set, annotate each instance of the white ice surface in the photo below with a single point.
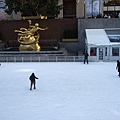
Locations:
(65, 91)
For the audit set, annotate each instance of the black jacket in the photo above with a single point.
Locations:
(86, 55)
(33, 77)
(119, 67)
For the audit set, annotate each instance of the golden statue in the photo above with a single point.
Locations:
(28, 38)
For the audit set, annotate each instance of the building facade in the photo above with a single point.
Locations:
(88, 8)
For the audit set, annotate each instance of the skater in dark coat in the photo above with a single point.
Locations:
(118, 67)
(32, 79)
(117, 64)
(86, 57)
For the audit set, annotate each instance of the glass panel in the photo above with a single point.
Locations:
(115, 51)
(114, 38)
(93, 51)
(106, 51)
(100, 54)
(93, 7)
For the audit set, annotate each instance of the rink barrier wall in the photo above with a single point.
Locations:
(41, 58)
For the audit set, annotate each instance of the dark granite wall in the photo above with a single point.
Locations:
(55, 30)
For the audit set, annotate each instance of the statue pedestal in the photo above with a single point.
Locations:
(31, 47)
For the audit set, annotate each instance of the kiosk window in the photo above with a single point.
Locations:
(115, 51)
(93, 51)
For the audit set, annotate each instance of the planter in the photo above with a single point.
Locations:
(70, 40)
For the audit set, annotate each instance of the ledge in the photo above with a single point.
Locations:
(34, 17)
(70, 40)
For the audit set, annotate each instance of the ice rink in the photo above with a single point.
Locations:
(65, 91)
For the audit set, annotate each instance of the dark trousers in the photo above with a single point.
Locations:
(32, 83)
(85, 60)
(119, 74)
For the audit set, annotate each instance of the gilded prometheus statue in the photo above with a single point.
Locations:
(29, 38)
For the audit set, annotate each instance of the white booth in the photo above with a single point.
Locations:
(101, 46)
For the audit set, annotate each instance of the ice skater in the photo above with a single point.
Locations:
(86, 57)
(118, 67)
(33, 82)
(117, 64)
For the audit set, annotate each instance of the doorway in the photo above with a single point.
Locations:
(101, 53)
(69, 8)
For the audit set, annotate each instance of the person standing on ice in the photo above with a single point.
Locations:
(86, 57)
(118, 67)
(32, 79)
(117, 64)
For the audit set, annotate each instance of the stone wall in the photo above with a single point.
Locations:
(55, 29)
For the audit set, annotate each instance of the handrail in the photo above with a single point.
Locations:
(43, 58)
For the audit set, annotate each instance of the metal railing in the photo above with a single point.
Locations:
(41, 58)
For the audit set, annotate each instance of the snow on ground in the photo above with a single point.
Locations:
(65, 91)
